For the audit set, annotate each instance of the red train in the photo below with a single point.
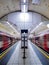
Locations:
(5, 41)
(42, 41)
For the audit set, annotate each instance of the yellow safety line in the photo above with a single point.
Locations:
(3, 54)
(42, 52)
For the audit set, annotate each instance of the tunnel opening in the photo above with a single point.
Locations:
(24, 41)
(24, 38)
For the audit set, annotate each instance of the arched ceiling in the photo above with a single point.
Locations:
(7, 6)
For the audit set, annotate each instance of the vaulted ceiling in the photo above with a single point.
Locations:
(7, 6)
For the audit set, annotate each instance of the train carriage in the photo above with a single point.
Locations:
(5, 41)
(42, 41)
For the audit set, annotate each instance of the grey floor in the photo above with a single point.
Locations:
(17, 56)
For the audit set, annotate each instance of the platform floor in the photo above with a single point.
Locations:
(15, 56)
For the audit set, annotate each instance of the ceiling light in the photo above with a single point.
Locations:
(24, 1)
(24, 8)
(48, 25)
(24, 17)
(24, 5)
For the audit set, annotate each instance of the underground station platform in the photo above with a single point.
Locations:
(15, 55)
(24, 32)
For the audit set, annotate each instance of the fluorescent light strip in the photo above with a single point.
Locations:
(24, 5)
(24, 1)
(11, 26)
(37, 27)
(24, 8)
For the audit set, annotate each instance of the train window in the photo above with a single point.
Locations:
(48, 37)
(0, 38)
(1, 41)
